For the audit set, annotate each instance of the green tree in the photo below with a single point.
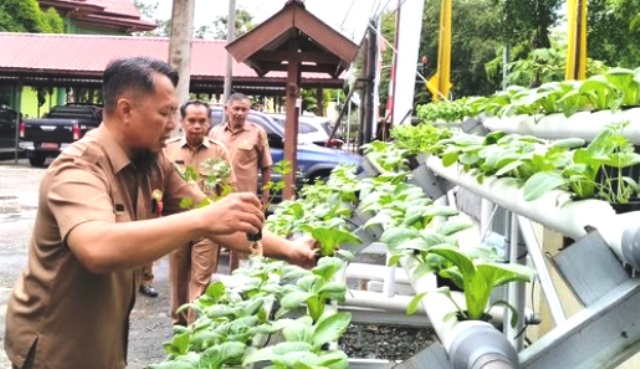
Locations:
(148, 12)
(26, 16)
(528, 21)
(218, 29)
(476, 36)
(614, 32)
(53, 21)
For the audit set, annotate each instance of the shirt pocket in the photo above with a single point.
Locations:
(246, 154)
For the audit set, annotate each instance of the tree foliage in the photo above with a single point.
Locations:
(614, 32)
(218, 29)
(148, 12)
(26, 16)
(475, 38)
(528, 21)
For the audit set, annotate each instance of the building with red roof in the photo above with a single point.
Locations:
(99, 16)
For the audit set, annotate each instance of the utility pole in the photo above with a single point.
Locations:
(180, 45)
(231, 35)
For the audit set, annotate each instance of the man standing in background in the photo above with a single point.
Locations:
(249, 151)
(191, 266)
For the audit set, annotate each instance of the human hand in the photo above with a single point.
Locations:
(302, 253)
(237, 212)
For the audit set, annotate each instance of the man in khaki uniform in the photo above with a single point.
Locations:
(249, 150)
(97, 225)
(191, 266)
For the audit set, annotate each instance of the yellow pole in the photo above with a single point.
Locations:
(440, 83)
(577, 42)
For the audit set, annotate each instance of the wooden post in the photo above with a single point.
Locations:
(291, 128)
(320, 101)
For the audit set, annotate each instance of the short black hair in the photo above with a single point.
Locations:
(132, 74)
(237, 97)
(183, 108)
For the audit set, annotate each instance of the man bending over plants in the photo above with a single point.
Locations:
(98, 223)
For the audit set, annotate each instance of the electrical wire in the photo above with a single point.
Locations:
(395, 52)
(347, 15)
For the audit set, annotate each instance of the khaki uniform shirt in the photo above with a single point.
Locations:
(249, 151)
(181, 154)
(70, 317)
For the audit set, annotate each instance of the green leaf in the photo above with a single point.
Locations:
(283, 348)
(415, 302)
(462, 261)
(541, 183)
(449, 158)
(298, 331)
(397, 235)
(327, 267)
(333, 288)
(452, 227)
(331, 329)
(333, 360)
(569, 143)
(293, 300)
(215, 290)
(422, 270)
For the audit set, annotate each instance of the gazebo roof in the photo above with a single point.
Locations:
(317, 46)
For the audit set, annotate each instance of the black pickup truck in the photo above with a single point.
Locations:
(48, 136)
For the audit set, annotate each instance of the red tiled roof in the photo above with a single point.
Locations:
(88, 55)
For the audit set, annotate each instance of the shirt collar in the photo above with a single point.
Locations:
(205, 142)
(114, 151)
(227, 127)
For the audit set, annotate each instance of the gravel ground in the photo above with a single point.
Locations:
(150, 323)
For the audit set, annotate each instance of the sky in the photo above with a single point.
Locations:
(348, 16)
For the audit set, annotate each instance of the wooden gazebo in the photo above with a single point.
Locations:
(296, 41)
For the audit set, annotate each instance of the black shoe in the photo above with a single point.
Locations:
(148, 291)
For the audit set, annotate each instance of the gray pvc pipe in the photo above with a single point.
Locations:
(478, 345)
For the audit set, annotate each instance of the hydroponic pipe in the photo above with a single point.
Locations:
(555, 210)
(585, 125)
(469, 344)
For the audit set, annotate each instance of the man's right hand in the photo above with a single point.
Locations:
(236, 212)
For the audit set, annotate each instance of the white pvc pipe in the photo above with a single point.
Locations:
(374, 300)
(374, 272)
(388, 287)
(554, 209)
(437, 305)
(585, 125)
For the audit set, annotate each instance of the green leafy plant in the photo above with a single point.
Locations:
(213, 176)
(388, 156)
(477, 279)
(607, 155)
(304, 344)
(329, 240)
(315, 290)
(283, 168)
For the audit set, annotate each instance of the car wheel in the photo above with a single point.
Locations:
(37, 160)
